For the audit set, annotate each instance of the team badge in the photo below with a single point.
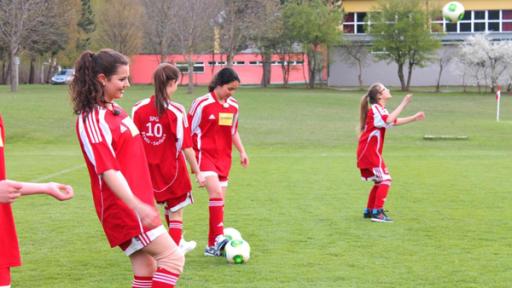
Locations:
(225, 119)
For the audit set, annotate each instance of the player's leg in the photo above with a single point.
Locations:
(143, 266)
(384, 182)
(175, 224)
(5, 277)
(169, 261)
(216, 215)
(371, 201)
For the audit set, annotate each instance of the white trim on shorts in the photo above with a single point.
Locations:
(379, 175)
(8, 286)
(142, 240)
(188, 201)
(223, 184)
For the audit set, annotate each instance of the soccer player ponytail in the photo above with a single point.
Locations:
(371, 97)
(85, 89)
(164, 74)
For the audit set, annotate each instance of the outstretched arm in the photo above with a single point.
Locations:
(58, 191)
(9, 191)
(117, 183)
(244, 159)
(394, 115)
(416, 117)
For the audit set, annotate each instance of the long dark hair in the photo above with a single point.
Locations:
(164, 74)
(223, 77)
(85, 89)
(372, 97)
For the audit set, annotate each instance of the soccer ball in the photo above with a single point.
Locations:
(453, 11)
(238, 251)
(232, 234)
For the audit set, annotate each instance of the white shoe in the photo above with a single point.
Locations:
(187, 246)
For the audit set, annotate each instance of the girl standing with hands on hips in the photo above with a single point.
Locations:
(118, 170)
(165, 132)
(214, 125)
(374, 120)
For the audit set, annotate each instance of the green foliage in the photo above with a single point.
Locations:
(312, 23)
(299, 204)
(86, 25)
(401, 29)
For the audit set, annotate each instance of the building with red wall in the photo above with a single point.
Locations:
(248, 66)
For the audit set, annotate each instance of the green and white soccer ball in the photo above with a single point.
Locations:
(238, 251)
(453, 11)
(232, 234)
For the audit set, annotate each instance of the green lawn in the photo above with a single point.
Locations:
(299, 204)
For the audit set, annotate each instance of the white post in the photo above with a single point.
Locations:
(498, 100)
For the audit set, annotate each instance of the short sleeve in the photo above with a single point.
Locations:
(380, 117)
(96, 139)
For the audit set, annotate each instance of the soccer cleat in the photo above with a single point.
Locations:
(381, 216)
(218, 248)
(367, 213)
(187, 246)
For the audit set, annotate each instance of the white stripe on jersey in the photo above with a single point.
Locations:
(196, 119)
(183, 112)
(106, 130)
(235, 124)
(378, 112)
(232, 102)
(85, 140)
(92, 128)
(376, 134)
(140, 104)
(197, 101)
(179, 128)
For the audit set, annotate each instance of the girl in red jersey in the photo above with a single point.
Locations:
(9, 191)
(118, 170)
(214, 125)
(374, 121)
(166, 136)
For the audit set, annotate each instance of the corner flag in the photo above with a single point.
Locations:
(498, 100)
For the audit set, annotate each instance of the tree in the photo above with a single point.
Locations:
(268, 35)
(443, 60)
(401, 30)
(193, 33)
(18, 21)
(315, 25)
(120, 26)
(159, 21)
(86, 26)
(487, 60)
(356, 54)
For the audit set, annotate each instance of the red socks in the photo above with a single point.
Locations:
(142, 281)
(371, 197)
(381, 194)
(164, 279)
(175, 230)
(216, 207)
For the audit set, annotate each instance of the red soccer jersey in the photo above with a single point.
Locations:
(111, 141)
(164, 138)
(213, 125)
(371, 141)
(9, 249)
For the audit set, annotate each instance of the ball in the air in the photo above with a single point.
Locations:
(453, 11)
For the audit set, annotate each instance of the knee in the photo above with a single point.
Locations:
(171, 260)
(386, 182)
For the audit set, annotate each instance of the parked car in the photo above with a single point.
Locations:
(64, 76)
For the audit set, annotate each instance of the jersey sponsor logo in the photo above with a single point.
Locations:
(212, 117)
(127, 124)
(225, 119)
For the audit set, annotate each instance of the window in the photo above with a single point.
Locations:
(481, 21)
(197, 68)
(354, 23)
(182, 66)
(238, 62)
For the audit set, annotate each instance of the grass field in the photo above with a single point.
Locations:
(299, 204)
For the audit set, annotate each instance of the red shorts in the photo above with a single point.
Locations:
(175, 189)
(176, 203)
(375, 174)
(222, 179)
(5, 276)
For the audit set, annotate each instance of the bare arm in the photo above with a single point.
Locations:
(117, 183)
(9, 191)
(416, 117)
(394, 115)
(244, 159)
(58, 191)
(190, 155)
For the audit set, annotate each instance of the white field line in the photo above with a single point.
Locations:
(58, 173)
